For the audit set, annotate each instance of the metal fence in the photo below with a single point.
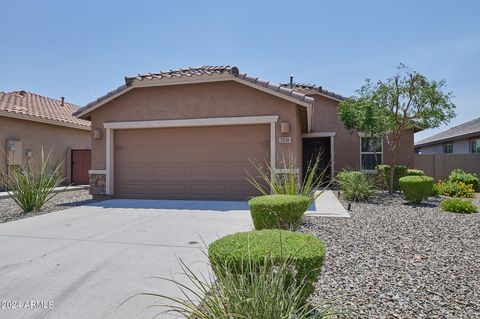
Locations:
(439, 166)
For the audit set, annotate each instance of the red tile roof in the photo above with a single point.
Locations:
(195, 72)
(37, 107)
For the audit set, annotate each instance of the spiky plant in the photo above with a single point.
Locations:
(287, 181)
(31, 186)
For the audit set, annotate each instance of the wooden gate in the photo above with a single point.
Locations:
(81, 160)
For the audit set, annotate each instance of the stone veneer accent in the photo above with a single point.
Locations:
(98, 184)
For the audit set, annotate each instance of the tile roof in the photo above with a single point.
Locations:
(197, 72)
(466, 129)
(34, 106)
(313, 87)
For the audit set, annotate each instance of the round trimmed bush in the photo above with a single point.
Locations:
(415, 172)
(416, 188)
(457, 205)
(270, 248)
(278, 211)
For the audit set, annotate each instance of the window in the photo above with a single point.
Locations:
(371, 153)
(448, 148)
(475, 146)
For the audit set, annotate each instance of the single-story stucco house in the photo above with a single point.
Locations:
(30, 122)
(460, 139)
(191, 134)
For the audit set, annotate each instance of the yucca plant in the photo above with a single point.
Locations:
(287, 182)
(32, 186)
(253, 294)
(357, 186)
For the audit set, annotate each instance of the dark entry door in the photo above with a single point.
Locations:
(317, 147)
(81, 160)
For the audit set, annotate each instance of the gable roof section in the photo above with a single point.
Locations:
(465, 130)
(197, 75)
(33, 107)
(315, 89)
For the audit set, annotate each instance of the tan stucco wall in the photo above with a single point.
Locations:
(347, 143)
(190, 101)
(405, 153)
(34, 136)
(439, 166)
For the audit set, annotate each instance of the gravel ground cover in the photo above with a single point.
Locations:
(10, 211)
(394, 260)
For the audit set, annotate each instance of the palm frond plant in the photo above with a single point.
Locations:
(32, 186)
(286, 180)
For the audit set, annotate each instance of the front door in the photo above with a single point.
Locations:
(314, 148)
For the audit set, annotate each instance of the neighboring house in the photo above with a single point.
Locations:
(191, 134)
(30, 122)
(461, 139)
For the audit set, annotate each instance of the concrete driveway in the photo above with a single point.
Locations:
(84, 262)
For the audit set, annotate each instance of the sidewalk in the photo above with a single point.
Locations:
(327, 205)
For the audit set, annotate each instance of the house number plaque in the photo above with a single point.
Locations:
(284, 140)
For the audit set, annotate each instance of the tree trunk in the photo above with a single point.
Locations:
(392, 172)
(394, 162)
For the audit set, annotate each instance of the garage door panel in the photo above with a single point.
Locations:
(210, 172)
(169, 153)
(168, 190)
(169, 172)
(206, 190)
(130, 172)
(244, 190)
(188, 163)
(238, 173)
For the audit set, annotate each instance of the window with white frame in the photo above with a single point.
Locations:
(475, 146)
(448, 148)
(371, 153)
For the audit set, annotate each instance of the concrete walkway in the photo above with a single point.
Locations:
(58, 189)
(327, 205)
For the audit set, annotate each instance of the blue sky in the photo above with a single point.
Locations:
(83, 49)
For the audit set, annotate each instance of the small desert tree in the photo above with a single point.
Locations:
(387, 108)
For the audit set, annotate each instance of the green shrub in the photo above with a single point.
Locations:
(384, 172)
(458, 175)
(270, 248)
(416, 188)
(278, 211)
(30, 186)
(415, 172)
(255, 292)
(356, 186)
(457, 205)
(454, 189)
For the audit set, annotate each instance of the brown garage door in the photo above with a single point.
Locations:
(188, 162)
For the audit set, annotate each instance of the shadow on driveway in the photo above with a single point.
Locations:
(195, 205)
